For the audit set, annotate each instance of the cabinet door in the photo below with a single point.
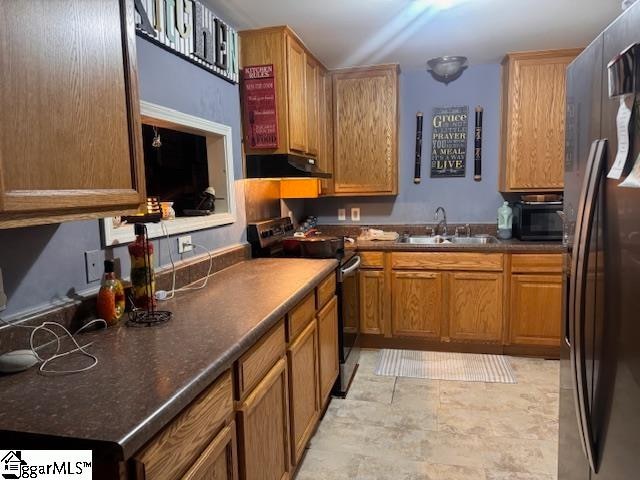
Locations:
(303, 388)
(328, 347)
(536, 309)
(312, 72)
(325, 153)
(417, 304)
(372, 301)
(297, 95)
(475, 306)
(263, 428)
(219, 460)
(70, 142)
(536, 122)
(365, 131)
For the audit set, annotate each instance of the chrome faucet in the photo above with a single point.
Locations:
(441, 222)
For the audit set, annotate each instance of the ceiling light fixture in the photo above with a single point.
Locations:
(446, 69)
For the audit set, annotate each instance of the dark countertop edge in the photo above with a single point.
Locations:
(502, 247)
(126, 447)
(151, 426)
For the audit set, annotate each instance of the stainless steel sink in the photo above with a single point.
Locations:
(424, 239)
(483, 240)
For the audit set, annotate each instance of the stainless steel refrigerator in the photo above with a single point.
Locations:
(600, 363)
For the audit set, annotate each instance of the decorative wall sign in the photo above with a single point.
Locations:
(477, 150)
(190, 30)
(259, 98)
(418, 165)
(449, 141)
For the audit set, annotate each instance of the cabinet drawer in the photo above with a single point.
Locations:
(301, 315)
(372, 259)
(176, 448)
(536, 263)
(448, 261)
(325, 291)
(254, 364)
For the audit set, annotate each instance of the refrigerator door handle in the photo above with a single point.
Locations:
(584, 231)
(573, 287)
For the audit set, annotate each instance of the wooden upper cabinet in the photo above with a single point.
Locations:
(533, 120)
(264, 47)
(297, 95)
(417, 304)
(299, 91)
(325, 154)
(70, 141)
(312, 73)
(365, 104)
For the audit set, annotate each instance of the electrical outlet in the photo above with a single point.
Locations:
(355, 214)
(184, 244)
(342, 214)
(94, 261)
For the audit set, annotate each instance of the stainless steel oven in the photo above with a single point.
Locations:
(348, 292)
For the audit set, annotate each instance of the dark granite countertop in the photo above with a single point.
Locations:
(505, 246)
(146, 376)
(512, 245)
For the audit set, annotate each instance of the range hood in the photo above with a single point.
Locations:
(283, 166)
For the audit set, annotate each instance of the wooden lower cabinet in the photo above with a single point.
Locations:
(372, 296)
(219, 459)
(328, 347)
(178, 448)
(475, 306)
(536, 310)
(417, 304)
(263, 428)
(304, 404)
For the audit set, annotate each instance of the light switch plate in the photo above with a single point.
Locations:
(94, 260)
(342, 214)
(355, 214)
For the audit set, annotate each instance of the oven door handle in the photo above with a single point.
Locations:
(352, 268)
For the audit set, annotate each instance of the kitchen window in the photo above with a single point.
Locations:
(184, 155)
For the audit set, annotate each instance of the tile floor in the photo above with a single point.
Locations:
(394, 428)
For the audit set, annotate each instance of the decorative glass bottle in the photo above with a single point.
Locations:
(110, 303)
(143, 283)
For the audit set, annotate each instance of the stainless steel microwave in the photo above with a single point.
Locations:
(537, 221)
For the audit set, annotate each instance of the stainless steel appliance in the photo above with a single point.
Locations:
(600, 362)
(537, 220)
(348, 291)
(274, 238)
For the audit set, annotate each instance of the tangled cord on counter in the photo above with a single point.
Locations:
(163, 295)
(46, 326)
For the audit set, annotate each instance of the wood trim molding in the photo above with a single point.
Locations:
(170, 118)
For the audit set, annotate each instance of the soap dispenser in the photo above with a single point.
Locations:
(505, 221)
